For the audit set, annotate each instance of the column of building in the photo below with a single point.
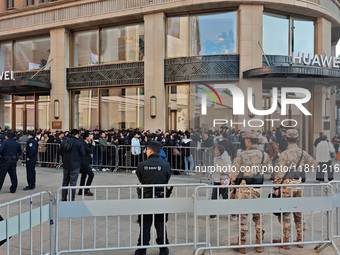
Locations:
(60, 47)
(250, 35)
(321, 122)
(154, 69)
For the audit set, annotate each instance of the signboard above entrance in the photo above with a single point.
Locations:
(7, 76)
(316, 60)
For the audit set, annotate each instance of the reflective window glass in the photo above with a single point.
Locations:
(31, 54)
(23, 98)
(85, 109)
(42, 116)
(85, 48)
(213, 33)
(6, 116)
(178, 107)
(123, 43)
(6, 56)
(303, 36)
(205, 105)
(177, 36)
(122, 108)
(43, 97)
(275, 34)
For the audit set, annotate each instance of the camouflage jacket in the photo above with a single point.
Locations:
(289, 159)
(249, 162)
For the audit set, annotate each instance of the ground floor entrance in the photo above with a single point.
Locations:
(25, 111)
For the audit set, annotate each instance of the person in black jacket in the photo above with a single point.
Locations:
(153, 171)
(31, 160)
(72, 150)
(85, 168)
(228, 146)
(10, 151)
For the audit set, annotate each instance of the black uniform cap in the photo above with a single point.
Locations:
(10, 134)
(32, 134)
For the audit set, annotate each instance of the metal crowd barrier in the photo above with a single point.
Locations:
(127, 157)
(107, 221)
(336, 206)
(27, 220)
(48, 154)
(315, 206)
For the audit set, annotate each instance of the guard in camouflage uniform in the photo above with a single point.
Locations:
(249, 159)
(290, 158)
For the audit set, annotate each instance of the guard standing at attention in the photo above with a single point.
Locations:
(297, 161)
(250, 166)
(154, 170)
(31, 160)
(10, 151)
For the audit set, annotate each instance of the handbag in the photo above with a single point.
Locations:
(287, 175)
(176, 152)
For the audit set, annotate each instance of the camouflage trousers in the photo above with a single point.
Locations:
(243, 218)
(287, 217)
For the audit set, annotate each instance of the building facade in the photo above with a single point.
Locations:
(169, 64)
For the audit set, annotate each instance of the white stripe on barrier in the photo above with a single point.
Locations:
(124, 207)
(13, 222)
(263, 205)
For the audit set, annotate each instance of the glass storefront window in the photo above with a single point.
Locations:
(31, 54)
(212, 34)
(214, 109)
(177, 36)
(123, 43)
(23, 98)
(185, 102)
(178, 107)
(6, 56)
(122, 108)
(43, 115)
(85, 109)
(303, 36)
(5, 98)
(43, 97)
(85, 48)
(276, 39)
(6, 116)
(275, 34)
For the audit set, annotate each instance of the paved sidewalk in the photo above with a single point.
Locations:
(51, 179)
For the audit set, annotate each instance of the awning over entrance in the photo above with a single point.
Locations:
(312, 75)
(23, 85)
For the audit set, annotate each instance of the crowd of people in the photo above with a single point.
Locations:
(235, 148)
(181, 148)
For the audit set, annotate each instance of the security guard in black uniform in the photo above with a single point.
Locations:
(153, 171)
(10, 151)
(31, 160)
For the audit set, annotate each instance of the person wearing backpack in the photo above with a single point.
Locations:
(72, 150)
